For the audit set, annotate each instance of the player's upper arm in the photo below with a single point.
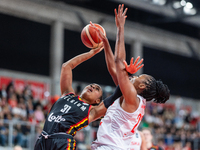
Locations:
(66, 79)
(127, 88)
(143, 145)
(96, 112)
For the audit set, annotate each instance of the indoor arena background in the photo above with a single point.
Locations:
(37, 36)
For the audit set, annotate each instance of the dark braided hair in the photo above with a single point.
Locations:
(156, 91)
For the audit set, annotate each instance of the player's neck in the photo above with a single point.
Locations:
(86, 101)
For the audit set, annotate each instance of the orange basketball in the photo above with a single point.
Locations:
(89, 36)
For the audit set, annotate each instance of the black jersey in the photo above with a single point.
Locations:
(68, 114)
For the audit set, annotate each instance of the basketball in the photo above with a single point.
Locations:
(90, 37)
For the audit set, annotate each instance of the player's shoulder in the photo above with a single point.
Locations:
(68, 93)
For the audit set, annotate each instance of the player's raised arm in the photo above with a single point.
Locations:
(66, 71)
(109, 56)
(127, 88)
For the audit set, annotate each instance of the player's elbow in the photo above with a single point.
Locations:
(64, 65)
(117, 60)
(67, 65)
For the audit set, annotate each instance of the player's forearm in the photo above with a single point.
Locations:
(74, 62)
(109, 57)
(120, 45)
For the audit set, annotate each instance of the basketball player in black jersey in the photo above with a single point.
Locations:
(71, 113)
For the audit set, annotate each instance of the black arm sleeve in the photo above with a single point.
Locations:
(109, 100)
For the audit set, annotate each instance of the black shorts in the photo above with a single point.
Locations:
(55, 142)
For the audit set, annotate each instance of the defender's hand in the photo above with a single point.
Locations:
(99, 32)
(133, 68)
(120, 15)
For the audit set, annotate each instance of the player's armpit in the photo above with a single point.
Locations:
(96, 112)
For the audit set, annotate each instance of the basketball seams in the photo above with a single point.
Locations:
(86, 41)
(90, 38)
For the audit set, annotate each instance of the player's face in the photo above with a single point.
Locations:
(137, 80)
(91, 93)
(147, 135)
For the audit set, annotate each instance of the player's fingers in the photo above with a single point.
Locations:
(136, 60)
(99, 31)
(124, 13)
(119, 8)
(140, 67)
(99, 36)
(101, 48)
(140, 62)
(125, 63)
(92, 24)
(131, 62)
(115, 12)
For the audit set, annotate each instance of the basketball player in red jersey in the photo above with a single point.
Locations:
(124, 116)
(149, 140)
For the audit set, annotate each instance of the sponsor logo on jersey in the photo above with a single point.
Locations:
(55, 118)
(135, 143)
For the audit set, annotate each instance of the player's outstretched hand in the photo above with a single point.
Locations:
(99, 32)
(133, 67)
(120, 16)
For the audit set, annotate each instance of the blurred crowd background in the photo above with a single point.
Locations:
(173, 124)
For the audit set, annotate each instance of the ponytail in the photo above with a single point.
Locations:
(156, 91)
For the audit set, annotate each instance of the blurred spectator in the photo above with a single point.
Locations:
(187, 146)
(10, 90)
(3, 92)
(178, 146)
(27, 93)
(12, 101)
(17, 135)
(38, 114)
(178, 103)
(161, 143)
(80, 141)
(149, 139)
(3, 132)
(17, 147)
